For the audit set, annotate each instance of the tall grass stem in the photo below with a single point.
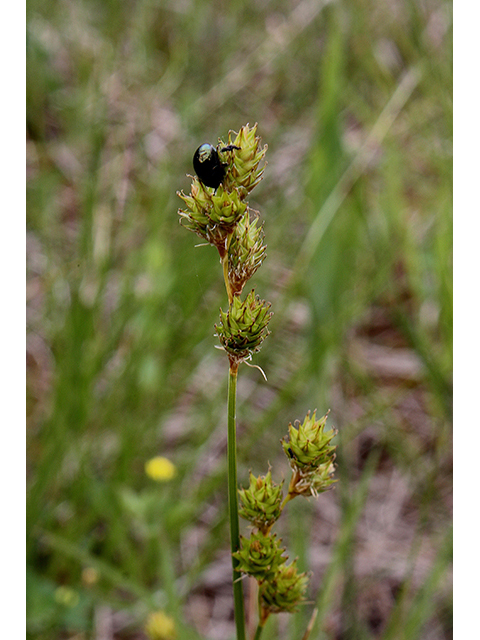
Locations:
(233, 501)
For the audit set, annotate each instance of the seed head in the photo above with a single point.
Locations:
(285, 591)
(261, 501)
(307, 445)
(246, 253)
(212, 216)
(244, 326)
(311, 456)
(260, 556)
(244, 171)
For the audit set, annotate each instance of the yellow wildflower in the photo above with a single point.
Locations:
(160, 469)
(159, 626)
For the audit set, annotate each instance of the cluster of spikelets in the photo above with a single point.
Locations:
(308, 449)
(245, 253)
(245, 171)
(212, 215)
(261, 503)
(311, 457)
(223, 218)
(243, 327)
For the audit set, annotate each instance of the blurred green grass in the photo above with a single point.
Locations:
(354, 101)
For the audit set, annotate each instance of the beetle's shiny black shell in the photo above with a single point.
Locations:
(208, 166)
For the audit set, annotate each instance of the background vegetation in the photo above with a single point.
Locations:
(354, 101)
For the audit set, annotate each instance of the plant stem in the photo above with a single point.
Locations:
(264, 615)
(310, 624)
(233, 501)
(288, 497)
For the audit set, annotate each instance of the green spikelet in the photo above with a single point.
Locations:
(246, 253)
(244, 326)
(285, 591)
(244, 171)
(321, 479)
(311, 483)
(307, 446)
(311, 456)
(260, 556)
(261, 502)
(212, 216)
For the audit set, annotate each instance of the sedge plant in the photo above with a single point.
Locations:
(217, 210)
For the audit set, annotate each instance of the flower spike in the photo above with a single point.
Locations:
(261, 502)
(260, 556)
(286, 591)
(244, 171)
(244, 327)
(311, 456)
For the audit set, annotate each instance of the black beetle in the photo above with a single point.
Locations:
(208, 166)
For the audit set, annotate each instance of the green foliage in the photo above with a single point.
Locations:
(355, 102)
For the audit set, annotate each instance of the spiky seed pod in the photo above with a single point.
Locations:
(246, 253)
(212, 216)
(307, 446)
(322, 478)
(243, 170)
(285, 591)
(244, 327)
(311, 483)
(199, 203)
(261, 502)
(260, 556)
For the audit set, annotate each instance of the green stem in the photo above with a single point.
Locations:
(264, 615)
(233, 501)
(288, 497)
